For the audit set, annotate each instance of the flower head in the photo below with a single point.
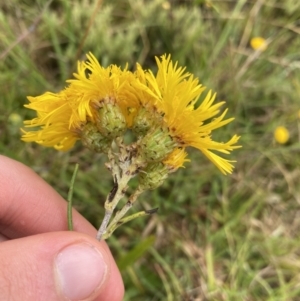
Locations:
(61, 116)
(174, 94)
(258, 43)
(176, 159)
(281, 134)
(95, 85)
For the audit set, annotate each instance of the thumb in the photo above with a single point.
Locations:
(54, 266)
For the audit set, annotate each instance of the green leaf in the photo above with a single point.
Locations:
(137, 252)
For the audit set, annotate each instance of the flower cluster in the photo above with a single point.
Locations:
(161, 109)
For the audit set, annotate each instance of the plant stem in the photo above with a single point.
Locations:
(70, 196)
(112, 201)
(121, 178)
(104, 224)
(119, 215)
(124, 166)
(113, 227)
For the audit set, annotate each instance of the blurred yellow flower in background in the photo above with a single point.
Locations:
(281, 134)
(166, 5)
(258, 43)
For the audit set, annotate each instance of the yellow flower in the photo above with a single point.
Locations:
(176, 159)
(174, 93)
(281, 134)
(258, 43)
(61, 116)
(86, 92)
(166, 5)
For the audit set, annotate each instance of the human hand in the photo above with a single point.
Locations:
(39, 260)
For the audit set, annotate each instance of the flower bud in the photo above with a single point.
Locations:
(156, 145)
(176, 160)
(143, 122)
(110, 120)
(93, 139)
(152, 176)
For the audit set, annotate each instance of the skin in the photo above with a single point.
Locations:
(33, 229)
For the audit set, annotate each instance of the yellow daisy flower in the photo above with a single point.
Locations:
(174, 93)
(87, 92)
(258, 43)
(281, 134)
(61, 116)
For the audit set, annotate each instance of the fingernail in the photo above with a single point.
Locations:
(80, 269)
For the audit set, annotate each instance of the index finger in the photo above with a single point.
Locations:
(28, 205)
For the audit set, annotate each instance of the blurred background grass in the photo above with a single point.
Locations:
(215, 237)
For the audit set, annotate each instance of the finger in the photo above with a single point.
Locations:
(58, 266)
(3, 238)
(30, 206)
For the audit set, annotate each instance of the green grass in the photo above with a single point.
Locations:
(216, 237)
